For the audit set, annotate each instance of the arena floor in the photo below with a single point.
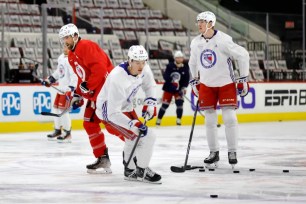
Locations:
(34, 170)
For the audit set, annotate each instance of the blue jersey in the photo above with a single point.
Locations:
(174, 74)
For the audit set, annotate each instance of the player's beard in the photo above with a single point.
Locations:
(69, 46)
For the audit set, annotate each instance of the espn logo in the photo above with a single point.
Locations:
(41, 102)
(285, 97)
(11, 103)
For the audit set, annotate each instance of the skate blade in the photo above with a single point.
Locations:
(64, 141)
(233, 166)
(150, 182)
(212, 166)
(52, 139)
(130, 179)
(99, 171)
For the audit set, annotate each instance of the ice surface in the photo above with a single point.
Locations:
(34, 170)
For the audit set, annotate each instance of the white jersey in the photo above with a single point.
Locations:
(212, 58)
(118, 92)
(64, 74)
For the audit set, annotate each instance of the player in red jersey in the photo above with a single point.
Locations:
(91, 65)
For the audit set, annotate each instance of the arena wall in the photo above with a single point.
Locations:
(21, 106)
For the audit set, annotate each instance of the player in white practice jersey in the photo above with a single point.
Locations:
(213, 81)
(115, 109)
(67, 81)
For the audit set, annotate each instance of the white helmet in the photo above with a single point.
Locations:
(69, 29)
(138, 53)
(207, 16)
(178, 53)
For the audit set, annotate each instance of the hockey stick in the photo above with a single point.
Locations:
(182, 169)
(54, 114)
(135, 145)
(40, 79)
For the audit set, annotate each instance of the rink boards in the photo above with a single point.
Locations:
(21, 106)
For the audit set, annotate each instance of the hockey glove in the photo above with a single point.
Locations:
(68, 90)
(183, 91)
(149, 108)
(84, 89)
(77, 101)
(137, 127)
(242, 86)
(195, 85)
(47, 82)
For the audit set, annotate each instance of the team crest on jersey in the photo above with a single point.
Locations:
(208, 58)
(80, 71)
(61, 71)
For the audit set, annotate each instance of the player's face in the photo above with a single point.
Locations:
(179, 60)
(136, 67)
(68, 42)
(203, 25)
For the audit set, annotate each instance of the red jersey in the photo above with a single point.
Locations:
(91, 64)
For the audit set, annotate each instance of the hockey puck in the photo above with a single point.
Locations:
(202, 170)
(236, 172)
(218, 125)
(251, 169)
(214, 196)
(211, 169)
(286, 171)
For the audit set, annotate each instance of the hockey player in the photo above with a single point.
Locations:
(115, 109)
(213, 81)
(176, 81)
(91, 65)
(67, 82)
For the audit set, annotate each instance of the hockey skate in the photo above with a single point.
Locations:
(147, 176)
(232, 159)
(130, 174)
(211, 162)
(101, 166)
(65, 138)
(54, 135)
(178, 122)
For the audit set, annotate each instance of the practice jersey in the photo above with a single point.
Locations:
(213, 59)
(64, 74)
(91, 64)
(118, 92)
(173, 73)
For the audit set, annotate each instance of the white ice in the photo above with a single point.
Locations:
(34, 170)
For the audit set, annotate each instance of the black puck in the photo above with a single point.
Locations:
(218, 125)
(211, 169)
(251, 169)
(202, 170)
(214, 196)
(286, 171)
(236, 172)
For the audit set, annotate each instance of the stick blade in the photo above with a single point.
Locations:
(49, 114)
(177, 169)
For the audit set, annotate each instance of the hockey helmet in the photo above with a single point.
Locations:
(208, 17)
(69, 29)
(178, 53)
(138, 53)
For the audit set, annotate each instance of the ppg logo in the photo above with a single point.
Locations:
(41, 102)
(11, 103)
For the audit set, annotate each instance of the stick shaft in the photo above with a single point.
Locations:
(191, 134)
